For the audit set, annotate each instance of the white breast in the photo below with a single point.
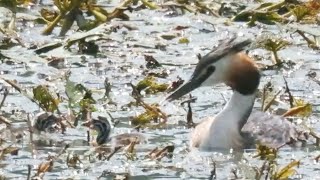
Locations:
(223, 131)
(216, 134)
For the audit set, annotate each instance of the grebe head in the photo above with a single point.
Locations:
(224, 64)
(102, 126)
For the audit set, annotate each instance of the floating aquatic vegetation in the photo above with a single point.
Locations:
(96, 34)
(168, 36)
(107, 87)
(190, 123)
(71, 11)
(303, 110)
(269, 95)
(88, 47)
(5, 94)
(43, 168)
(285, 172)
(317, 158)
(14, 6)
(273, 44)
(145, 118)
(161, 74)
(151, 5)
(9, 38)
(45, 99)
(130, 152)
(300, 108)
(56, 62)
(272, 13)
(5, 121)
(230, 9)
(300, 12)
(78, 95)
(266, 153)
(175, 84)
(158, 154)
(150, 86)
(184, 40)
(305, 12)
(46, 166)
(213, 173)
(287, 90)
(115, 176)
(152, 113)
(192, 7)
(48, 47)
(8, 150)
(152, 63)
(305, 32)
(265, 13)
(27, 94)
(269, 168)
(73, 160)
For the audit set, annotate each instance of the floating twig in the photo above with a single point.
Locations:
(291, 100)
(115, 150)
(213, 173)
(5, 94)
(5, 121)
(271, 101)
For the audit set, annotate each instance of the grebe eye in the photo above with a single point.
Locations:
(211, 69)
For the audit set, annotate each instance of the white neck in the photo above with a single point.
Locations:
(238, 108)
(225, 128)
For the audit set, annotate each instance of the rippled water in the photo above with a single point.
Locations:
(123, 62)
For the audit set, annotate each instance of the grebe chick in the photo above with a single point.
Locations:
(236, 126)
(103, 127)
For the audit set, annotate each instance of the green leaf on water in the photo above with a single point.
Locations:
(267, 17)
(145, 118)
(266, 153)
(151, 86)
(274, 44)
(46, 101)
(184, 40)
(78, 95)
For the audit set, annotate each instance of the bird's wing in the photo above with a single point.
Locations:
(270, 130)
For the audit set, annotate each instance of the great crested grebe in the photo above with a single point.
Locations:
(236, 126)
